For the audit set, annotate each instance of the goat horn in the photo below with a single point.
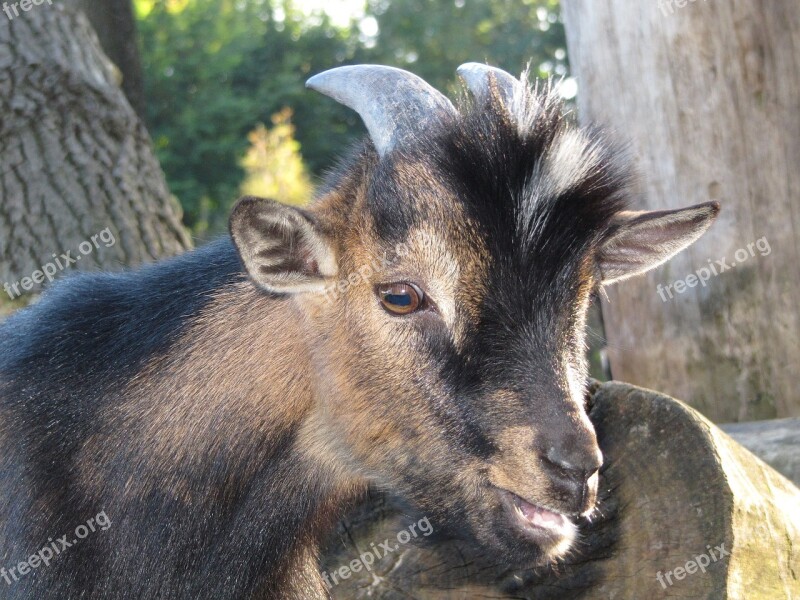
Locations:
(394, 104)
(481, 79)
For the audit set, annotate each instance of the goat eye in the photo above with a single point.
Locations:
(400, 298)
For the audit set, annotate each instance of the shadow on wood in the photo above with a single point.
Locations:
(678, 496)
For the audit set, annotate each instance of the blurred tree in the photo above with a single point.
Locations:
(273, 163)
(216, 68)
(431, 37)
(76, 159)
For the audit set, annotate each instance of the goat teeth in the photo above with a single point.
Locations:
(538, 516)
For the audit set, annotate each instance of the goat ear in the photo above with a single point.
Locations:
(281, 246)
(643, 240)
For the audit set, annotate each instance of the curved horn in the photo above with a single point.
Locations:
(394, 104)
(481, 78)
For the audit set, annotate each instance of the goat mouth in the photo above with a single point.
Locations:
(536, 522)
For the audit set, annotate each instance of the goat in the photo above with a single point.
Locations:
(223, 408)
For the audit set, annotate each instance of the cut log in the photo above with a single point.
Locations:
(684, 511)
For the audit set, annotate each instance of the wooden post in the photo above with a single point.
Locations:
(676, 492)
(708, 95)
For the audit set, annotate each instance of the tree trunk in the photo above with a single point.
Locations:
(115, 25)
(674, 489)
(76, 160)
(708, 94)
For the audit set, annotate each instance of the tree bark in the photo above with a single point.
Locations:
(115, 25)
(75, 158)
(708, 94)
(673, 489)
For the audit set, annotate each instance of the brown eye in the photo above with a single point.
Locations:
(400, 298)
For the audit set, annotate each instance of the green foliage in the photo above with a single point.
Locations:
(214, 69)
(432, 37)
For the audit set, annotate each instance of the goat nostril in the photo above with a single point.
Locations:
(572, 482)
(579, 467)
